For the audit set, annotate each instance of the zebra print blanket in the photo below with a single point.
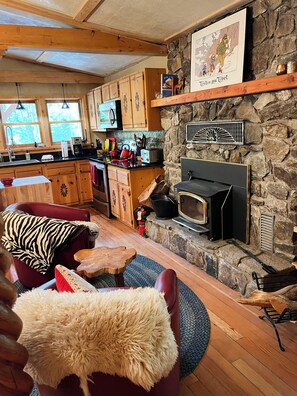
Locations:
(34, 239)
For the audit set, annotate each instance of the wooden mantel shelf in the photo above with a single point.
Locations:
(276, 83)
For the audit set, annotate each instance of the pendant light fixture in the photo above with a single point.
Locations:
(19, 104)
(65, 105)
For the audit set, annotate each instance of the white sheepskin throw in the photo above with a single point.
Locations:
(123, 332)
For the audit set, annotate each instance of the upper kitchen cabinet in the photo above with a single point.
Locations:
(94, 98)
(110, 91)
(126, 102)
(114, 90)
(136, 98)
(92, 110)
(98, 100)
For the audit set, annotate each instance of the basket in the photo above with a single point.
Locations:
(157, 186)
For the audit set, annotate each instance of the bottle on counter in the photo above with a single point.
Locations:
(27, 155)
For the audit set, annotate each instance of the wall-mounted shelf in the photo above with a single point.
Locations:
(276, 83)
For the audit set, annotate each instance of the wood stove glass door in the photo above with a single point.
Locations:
(192, 207)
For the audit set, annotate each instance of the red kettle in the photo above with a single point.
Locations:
(125, 154)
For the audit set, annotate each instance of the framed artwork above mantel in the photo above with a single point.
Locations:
(217, 53)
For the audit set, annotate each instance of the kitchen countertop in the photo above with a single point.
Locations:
(120, 164)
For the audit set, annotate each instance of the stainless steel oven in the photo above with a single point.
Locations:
(100, 187)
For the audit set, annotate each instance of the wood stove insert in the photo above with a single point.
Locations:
(213, 198)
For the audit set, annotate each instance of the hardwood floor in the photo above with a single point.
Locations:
(242, 357)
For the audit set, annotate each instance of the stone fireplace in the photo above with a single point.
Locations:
(269, 148)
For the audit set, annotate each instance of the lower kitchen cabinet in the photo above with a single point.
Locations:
(28, 170)
(71, 181)
(7, 172)
(64, 189)
(114, 197)
(64, 184)
(84, 181)
(125, 186)
(126, 205)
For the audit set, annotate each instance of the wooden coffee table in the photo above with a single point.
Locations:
(103, 260)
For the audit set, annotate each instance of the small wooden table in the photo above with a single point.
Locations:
(103, 260)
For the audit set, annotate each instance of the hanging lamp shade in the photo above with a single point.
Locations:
(19, 104)
(65, 105)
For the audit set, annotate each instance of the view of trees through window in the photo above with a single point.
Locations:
(20, 126)
(64, 123)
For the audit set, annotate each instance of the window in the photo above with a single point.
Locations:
(20, 126)
(64, 123)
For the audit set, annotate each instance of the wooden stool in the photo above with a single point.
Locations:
(103, 260)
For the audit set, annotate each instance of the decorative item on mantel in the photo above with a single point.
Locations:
(291, 67)
(281, 69)
(218, 53)
(168, 83)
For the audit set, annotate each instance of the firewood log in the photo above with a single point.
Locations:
(13, 356)
(279, 300)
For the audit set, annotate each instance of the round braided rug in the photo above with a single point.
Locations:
(194, 320)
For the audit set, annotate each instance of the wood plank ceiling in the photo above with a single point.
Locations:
(99, 37)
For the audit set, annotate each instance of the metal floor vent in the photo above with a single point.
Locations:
(266, 232)
(221, 132)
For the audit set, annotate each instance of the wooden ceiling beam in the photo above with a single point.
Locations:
(43, 63)
(75, 40)
(48, 77)
(68, 20)
(87, 9)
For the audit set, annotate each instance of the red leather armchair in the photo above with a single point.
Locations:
(108, 385)
(28, 276)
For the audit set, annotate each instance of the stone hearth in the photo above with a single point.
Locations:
(220, 259)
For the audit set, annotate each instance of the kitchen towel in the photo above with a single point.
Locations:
(94, 175)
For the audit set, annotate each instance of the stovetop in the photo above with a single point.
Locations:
(127, 164)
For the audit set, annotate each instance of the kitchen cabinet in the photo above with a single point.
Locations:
(7, 172)
(71, 181)
(64, 182)
(114, 90)
(98, 100)
(126, 102)
(21, 171)
(92, 110)
(136, 99)
(94, 99)
(114, 197)
(28, 170)
(105, 92)
(125, 186)
(84, 182)
(110, 91)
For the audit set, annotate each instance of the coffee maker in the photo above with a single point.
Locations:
(76, 146)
